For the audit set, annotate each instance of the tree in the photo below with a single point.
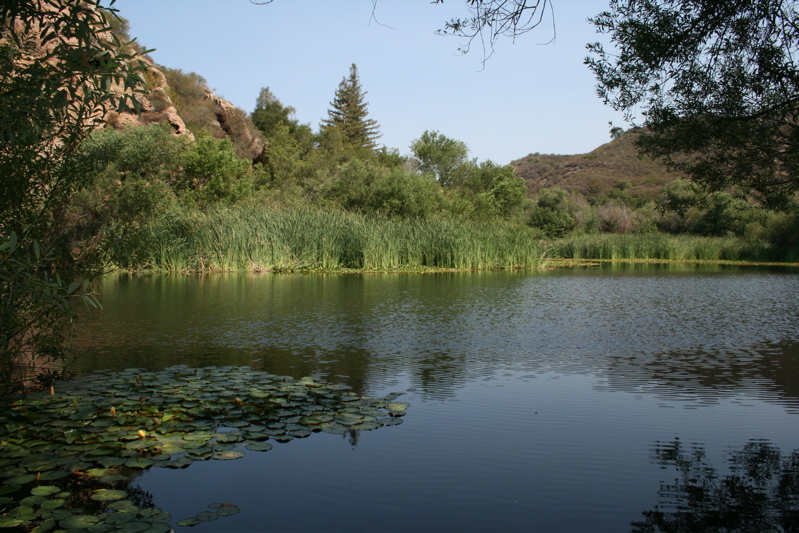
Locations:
(552, 213)
(61, 70)
(717, 83)
(349, 114)
(440, 155)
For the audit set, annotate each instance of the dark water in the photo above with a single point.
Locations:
(568, 400)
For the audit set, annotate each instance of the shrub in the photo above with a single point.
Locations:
(213, 173)
(552, 213)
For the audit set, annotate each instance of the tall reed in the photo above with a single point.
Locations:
(256, 238)
(661, 246)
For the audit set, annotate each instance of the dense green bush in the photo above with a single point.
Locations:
(552, 213)
(367, 187)
(211, 172)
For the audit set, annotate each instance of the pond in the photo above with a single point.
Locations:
(612, 398)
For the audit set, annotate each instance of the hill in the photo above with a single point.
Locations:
(615, 165)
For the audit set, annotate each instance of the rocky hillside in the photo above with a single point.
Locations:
(615, 165)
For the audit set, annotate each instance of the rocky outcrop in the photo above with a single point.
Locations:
(236, 124)
(156, 106)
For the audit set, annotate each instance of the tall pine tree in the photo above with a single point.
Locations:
(349, 115)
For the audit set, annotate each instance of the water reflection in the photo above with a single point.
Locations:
(759, 493)
(681, 332)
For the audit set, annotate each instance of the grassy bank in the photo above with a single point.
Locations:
(661, 246)
(258, 239)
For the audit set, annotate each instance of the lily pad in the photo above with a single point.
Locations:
(227, 510)
(258, 446)
(109, 495)
(20, 480)
(227, 455)
(53, 504)
(139, 462)
(135, 527)
(206, 516)
(78, 521)
(45, 490)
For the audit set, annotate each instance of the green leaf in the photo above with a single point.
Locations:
(206, 516)
(78, 521)
(45, 490)
(109, 495)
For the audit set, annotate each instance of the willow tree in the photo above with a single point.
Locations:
(348, 116)
(61, 70)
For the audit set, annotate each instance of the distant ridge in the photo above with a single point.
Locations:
(616, 164)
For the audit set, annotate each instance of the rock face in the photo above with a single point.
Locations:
(156, 106)
(235, 123)
(219, 117)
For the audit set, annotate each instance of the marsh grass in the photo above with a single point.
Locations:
(259, 239)
(660, 246)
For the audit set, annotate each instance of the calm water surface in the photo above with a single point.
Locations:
(564, 400)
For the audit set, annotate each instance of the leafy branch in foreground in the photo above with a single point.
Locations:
(61, 70)
(717, 83)
(36, 313)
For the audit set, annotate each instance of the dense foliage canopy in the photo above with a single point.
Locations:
(717, 83)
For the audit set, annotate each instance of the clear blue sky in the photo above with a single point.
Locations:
(529, 96)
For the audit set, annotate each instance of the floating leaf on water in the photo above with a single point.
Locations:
(258, 446)
(125, 506)
(226, 455)
(397, 406)
(20, 480)
(109, 495)
(45, 525)
(159, 527)
(39, 464)
(57, 514)
(188, 522)
(118, 518)
(139, 462)
(97, 472)
(180, 462)
(227, 510)
(45, 490)
(206, 516)
(111, 462)
(32, 501)
(154, 514)
(8, 521)
(135, 527)
(366, 426)
(334, 428)
(53, 504)
(78, 521)
(113, 478)
(52, 475)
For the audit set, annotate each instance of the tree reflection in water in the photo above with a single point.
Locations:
(759, 494)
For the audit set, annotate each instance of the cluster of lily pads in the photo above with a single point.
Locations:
(68, 455)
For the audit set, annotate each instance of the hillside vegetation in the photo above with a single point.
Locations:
(613, 165)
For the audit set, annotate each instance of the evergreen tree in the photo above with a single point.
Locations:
(349, 115)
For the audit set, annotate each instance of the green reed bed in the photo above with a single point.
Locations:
(260, 239)
(659, 246)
